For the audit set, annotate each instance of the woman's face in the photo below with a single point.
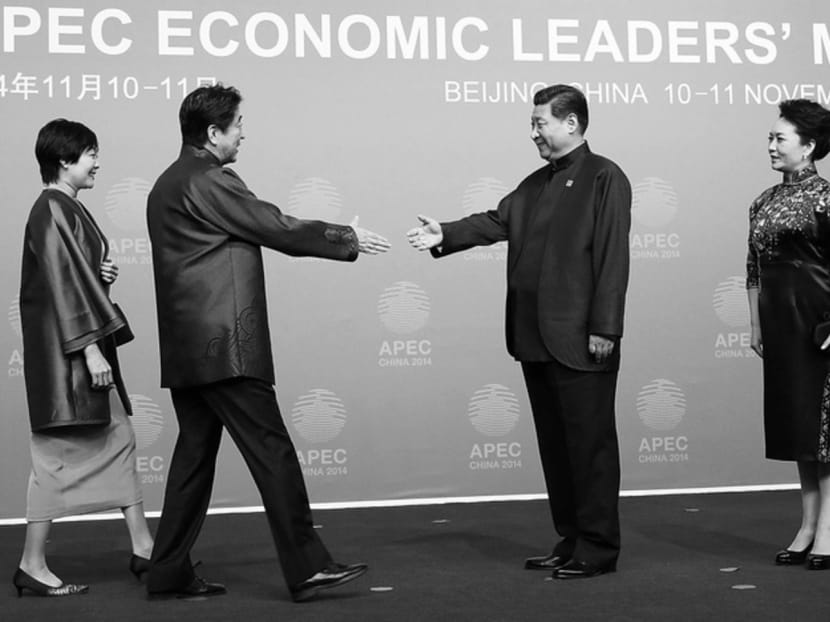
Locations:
(81, 174)
(786, 152)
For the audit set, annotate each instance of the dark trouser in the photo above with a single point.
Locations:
(248, 409)
(574, 416)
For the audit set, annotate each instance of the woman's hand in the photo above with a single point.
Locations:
(99, 369)
(108, 271)
(756, 343)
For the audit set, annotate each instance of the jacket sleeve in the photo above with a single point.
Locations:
(753, 272)
(610, 257)
(227, 202)
(82, 308)
(480, 229)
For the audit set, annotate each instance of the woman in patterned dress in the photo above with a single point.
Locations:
(82, 443)
(788, 282)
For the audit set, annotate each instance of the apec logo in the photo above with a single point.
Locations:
(148, 424)
(480, 196)
(494, 411)
(316, 199)
(147, 420)
(661, 406)
(14, 317)
(654, 205)
(125, 206)
(126, 203)
(403, 309)
(16, 358)
(319, 417)
(654, 202)
(729, 302)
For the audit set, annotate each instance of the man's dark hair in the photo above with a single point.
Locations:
(61, 141)
(206, 106)
(564, 100)
(811, 122)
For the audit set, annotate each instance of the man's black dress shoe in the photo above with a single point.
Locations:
(818, 562)
(788, 557)
(576, 569)
(331, 576)
(196, 588)
(548, 562)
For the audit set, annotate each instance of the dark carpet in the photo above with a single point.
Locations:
(685, 558)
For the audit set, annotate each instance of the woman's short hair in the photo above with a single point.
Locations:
(811, 122)
(206, 106)
(59, 141)
(564, 100)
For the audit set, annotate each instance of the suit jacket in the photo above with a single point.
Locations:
(65, 307)
(584, 275)
(206, 230)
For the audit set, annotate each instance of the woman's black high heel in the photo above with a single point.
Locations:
(788, 557)
(139, 566)
(24, 581)
(818, 562)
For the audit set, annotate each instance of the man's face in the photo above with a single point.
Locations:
(227, 142)
(553, 137)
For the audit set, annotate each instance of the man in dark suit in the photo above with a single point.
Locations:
(207, 230)
(567, 229)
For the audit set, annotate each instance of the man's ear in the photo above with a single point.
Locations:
(211, 134)
(572, 123)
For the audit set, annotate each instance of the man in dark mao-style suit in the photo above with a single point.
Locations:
(207, 230)
(567, 228)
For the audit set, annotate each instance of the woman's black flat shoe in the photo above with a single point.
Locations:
(788, 557)
(818, 562)
(24, 581)
(139, 566)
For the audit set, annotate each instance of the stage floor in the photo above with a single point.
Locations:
(684, 558)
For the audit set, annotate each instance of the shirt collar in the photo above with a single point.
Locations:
(569, 158)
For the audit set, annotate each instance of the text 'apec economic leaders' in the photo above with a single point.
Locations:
(265, 34)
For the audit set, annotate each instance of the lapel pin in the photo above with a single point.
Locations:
(569, 183)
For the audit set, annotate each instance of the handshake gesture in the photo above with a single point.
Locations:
(423, 238)
(427, 236)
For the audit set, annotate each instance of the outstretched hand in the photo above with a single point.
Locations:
(427, 236)
(369, 242)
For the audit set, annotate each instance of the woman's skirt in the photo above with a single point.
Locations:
(81, 470)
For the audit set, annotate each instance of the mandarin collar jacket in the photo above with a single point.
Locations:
(584, 274)
(206, 230)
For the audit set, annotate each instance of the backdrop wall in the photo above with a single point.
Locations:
(392, 372)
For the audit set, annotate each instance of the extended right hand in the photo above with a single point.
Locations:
(369, 242)
(427, 236)
(99, 369)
